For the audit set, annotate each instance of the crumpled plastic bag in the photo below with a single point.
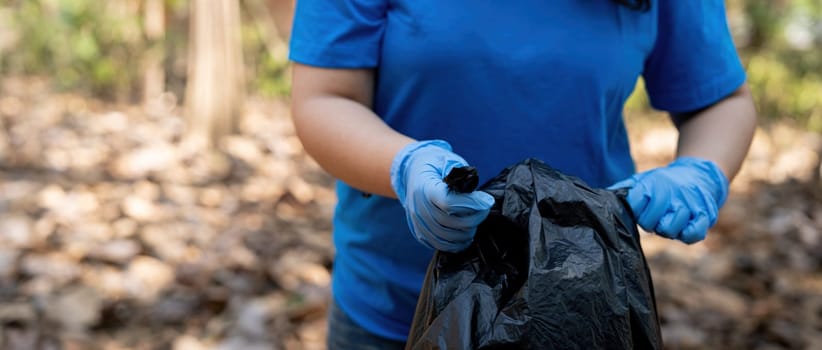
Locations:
(557, 265)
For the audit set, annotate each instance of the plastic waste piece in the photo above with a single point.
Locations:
(462, 179)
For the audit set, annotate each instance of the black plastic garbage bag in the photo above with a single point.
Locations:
(557, 265)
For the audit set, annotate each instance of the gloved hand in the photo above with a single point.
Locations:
(438, 217)
(679, 201)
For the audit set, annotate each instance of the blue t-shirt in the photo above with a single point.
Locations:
(501, 82)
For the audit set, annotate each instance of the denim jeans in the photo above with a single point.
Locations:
(344, 334)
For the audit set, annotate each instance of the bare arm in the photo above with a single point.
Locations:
(333, 117)
(721, 133)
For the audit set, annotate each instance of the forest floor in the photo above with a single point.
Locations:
(114, 234)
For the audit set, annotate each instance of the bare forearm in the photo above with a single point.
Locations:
(350, 142)
(721, 133)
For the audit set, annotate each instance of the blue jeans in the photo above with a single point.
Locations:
(344, 334)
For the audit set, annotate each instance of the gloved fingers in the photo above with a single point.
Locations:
(467, 204)
(420, 232)
(447, 239)
(457, 204)
(674, 221)
(705, 209)
(440, 210)
(696, 230)
(638, 198)
(657, 205)
(468, 221)
(627, 183)
(464, 211)
(426, 225)
(708, 205)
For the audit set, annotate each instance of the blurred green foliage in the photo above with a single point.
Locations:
(79, 43)
(785, 67)
(100, 46)
(268, 75)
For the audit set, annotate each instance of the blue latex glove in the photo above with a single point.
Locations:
(679, 201)
(438, 217)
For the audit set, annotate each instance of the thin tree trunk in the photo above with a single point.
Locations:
(154, 74)
(215, 87)
(264, 17)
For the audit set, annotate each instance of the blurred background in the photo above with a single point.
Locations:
(153, 194)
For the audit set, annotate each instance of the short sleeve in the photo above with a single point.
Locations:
(338, 33)
(694, 62)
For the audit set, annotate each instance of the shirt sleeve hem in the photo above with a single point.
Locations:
(682, 100)
(337, 56)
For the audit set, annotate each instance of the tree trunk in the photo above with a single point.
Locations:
(215, 86)
(154, 75)
(270, 28)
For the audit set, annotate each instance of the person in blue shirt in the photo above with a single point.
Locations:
(389, 95)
